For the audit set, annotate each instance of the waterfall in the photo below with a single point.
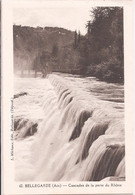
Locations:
(79, 137)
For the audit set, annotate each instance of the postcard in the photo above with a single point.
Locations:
(67, 97)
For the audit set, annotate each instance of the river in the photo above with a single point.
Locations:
(68, 128)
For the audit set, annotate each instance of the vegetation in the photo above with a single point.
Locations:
(104, 44)
(99, 53)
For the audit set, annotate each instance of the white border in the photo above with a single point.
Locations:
(9, 185)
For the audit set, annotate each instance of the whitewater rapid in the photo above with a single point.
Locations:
(68, 128)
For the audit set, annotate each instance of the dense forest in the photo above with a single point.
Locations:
(99, 53)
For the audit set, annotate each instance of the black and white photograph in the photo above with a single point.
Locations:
(69, 94)
(68, 105)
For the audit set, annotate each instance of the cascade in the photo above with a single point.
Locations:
(72, 135)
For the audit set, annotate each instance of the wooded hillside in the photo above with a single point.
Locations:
(99, 53)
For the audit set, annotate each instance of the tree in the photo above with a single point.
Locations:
(105, 43)
(88, 26)
(54, 50)
(75, 40)
(79, 37)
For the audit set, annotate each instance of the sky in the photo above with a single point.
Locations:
(72, 15)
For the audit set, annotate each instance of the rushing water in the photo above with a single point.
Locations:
(68, 128)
